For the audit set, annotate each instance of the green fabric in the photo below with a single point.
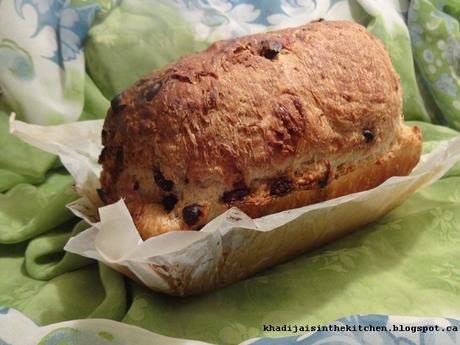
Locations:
(435, 33)
(44, 256)
(20, 162)
(93, 291)
(96, 105)
(392, 31)
(432, 135)
(133, 39)
(27, 210)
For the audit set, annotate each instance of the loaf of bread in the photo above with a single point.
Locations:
(265, 123)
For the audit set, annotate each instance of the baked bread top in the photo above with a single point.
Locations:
(250, 120)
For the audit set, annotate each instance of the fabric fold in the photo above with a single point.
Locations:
(27, 211)
(45, 257)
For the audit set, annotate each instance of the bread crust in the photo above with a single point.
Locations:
(265, 122)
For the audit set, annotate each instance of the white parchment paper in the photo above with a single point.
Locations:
(230, 247)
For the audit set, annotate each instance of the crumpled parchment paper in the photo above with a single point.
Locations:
(230, 247)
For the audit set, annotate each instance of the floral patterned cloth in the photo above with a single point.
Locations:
(435, 34)
(42, 71)
(61, 60)
(16, 329)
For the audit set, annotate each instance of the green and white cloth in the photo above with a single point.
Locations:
(16, 329)
(435, 34)
(62, 60)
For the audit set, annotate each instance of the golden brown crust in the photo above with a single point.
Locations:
(265, 122)
(398, 161)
